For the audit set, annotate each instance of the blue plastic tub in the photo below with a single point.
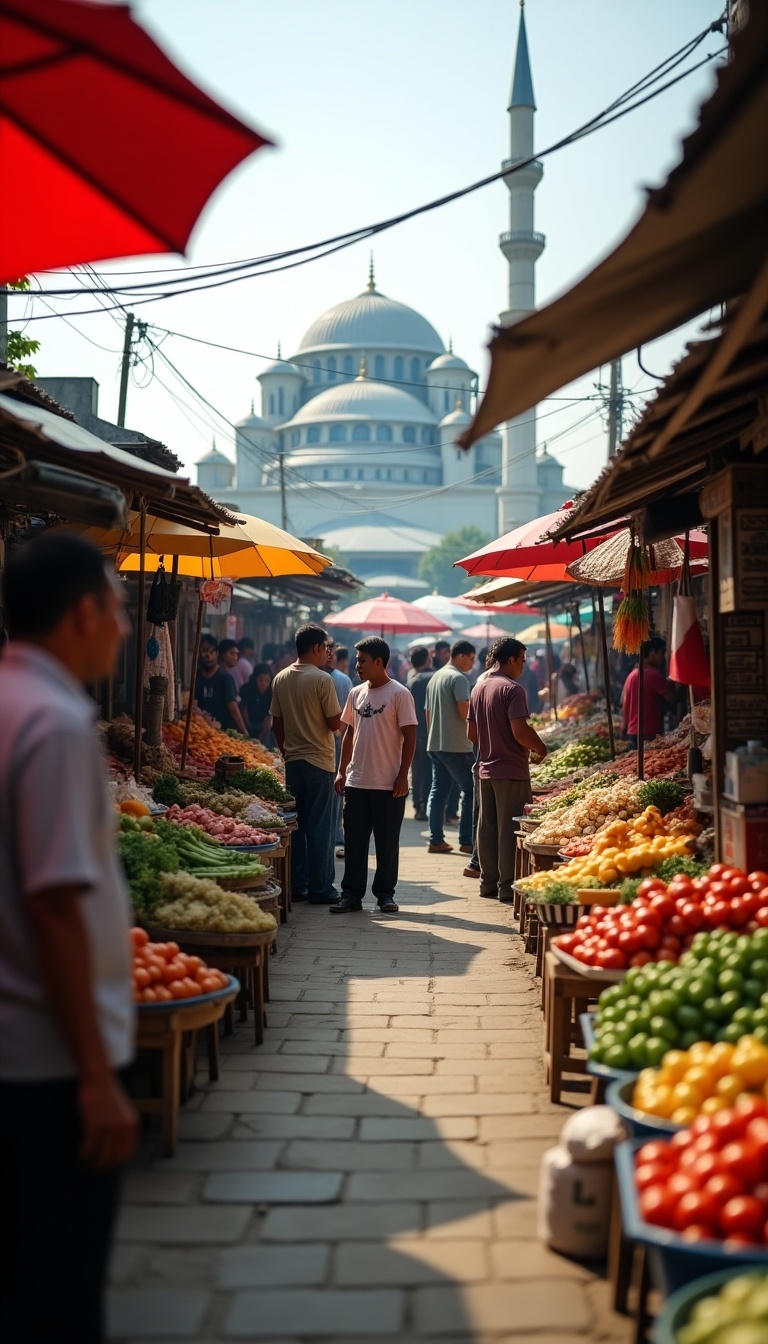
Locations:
(673, 1262)
(638, 1124)
(587, 1024)
(677, 1310)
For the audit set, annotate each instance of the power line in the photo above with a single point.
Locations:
(232, 273)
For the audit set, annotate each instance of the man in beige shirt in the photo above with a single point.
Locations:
(305, 715)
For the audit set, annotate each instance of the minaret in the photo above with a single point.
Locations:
(518, 496)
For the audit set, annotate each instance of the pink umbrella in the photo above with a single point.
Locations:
(388, 615)
(488, 631)
(498, 608)
(521, 554)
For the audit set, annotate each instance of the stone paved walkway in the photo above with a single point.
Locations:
(370, 1172)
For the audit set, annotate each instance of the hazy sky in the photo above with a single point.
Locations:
(376, 108)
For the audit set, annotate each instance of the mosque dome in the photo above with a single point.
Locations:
(371, 320)
(457, 419)
(364, 399)
(282, 366)
(252, 421)
(448, 361)
(214, 458)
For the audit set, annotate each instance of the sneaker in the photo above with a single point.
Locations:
(296, 897)
(339, 851)
(388, 906)
(472, 872)
(345, 906)
(442, 848)
(466, 849)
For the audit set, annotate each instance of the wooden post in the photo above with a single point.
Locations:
(141, 640)
(550, 667)
(195, 656)
(606, 673)
(174, 633)
(641, 717)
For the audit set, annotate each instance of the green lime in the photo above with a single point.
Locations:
(733, 1032)
(729, 979)
(713, 1008)
(656, 1048)
(759, 968)
(662, 1026)
(760, 1033)
(688, 1039)
(753, 988)
(688, 1017)
(709, 1029)
(616, 1057)
(743, 1016)
(637, 1049)
(760, 1017)
(699, 990)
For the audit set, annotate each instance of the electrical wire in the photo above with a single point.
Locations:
(619, 108)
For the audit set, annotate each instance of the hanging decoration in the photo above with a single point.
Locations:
(632, 624)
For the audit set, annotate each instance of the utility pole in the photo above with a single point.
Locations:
(3, 322)
(615, 409)
(125, 366)
(283, 505)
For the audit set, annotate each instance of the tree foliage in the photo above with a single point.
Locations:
(18, 346)
(436, 565)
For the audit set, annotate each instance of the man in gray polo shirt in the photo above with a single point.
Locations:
(449, 749)
(66, 1005)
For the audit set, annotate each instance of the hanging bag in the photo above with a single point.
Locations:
(163, 598)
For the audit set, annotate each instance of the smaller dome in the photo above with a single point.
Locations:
(457, 417)
(212, 458)
(448, 361)
(282, 366)
(249, 421)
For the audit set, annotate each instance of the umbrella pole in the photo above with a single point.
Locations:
(191, 696)
(141, 633)
(606, 674)
(551, 668)
(174, 631)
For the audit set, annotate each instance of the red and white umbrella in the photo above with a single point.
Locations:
(521, 554)
(388, 616)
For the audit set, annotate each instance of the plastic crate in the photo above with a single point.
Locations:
(677, 1311)
(673, 1262)
(638, 1124)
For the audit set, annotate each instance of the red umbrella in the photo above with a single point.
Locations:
(521, 555)
(388, 615)
(106, 149)
(508, 608)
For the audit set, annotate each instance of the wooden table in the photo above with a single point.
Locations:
(172, 1029)
(566, 995)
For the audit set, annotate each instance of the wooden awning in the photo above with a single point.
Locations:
(700, 240)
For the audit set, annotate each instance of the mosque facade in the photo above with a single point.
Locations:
(355, 443)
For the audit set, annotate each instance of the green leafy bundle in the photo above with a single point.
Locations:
(661, 793)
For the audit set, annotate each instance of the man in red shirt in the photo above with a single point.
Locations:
(657, 692)
(497, 723)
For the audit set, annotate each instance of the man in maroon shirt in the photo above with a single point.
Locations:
(497, 723)
(657, 693)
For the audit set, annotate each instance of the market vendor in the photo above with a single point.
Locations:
(215, 691)
(658, 692)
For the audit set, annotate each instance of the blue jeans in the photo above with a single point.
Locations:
(338, 827)
(449, 768)
(312, 865)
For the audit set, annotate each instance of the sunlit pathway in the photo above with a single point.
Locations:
(370, 1172)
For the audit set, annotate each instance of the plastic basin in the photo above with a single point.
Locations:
(673, 1262)
(595, 1070)
(677, 1311)
(638, 1124)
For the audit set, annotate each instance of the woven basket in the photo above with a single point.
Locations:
(557, 916)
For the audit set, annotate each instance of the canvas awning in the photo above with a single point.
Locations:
(700, 240)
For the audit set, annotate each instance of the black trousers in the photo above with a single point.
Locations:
(371, 812)
(421, 776)
(56, 1218)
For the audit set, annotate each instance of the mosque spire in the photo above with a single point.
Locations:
(363, 368)
(371, 277)
(279, 350)
(522, 82)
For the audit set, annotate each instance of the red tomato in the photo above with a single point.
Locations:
(697, 1208)
(655, 1150)
(630, 941)
(665, 954)
(727, 1125)
(740, 911)
(650, 1173)
(762, 917)
(682, 1138)
(657, 1206)
(693, 915)
(677, 926)
(758, 877)
(716, 871)
(757, 1120)
(681, 1183)
(566, 941)
(640, 959)
(649, 885)
(663, 905)
(698, 1232)
(746, 1159)
(743, 1216)
(611, 959)
(724, 1187)
(649, 936)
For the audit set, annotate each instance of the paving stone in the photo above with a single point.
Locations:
(273, 1187)
(298, 1063)
(535, 1125)
(271, 1267)
(480, 1066)
(408, 1085)
(363, 1066)
(457, 1219)
(146, 1223)
(368, 1264)
(537, 1305)
(203, 1125)
(311, 1155)
(414, 1050)
(502, 1103)
(225, 1156)
(341, 1222)
(336, 1049)
(316, 1084)
(345, 1314)
(418, 1128)
(268, 1103)
(158, 1187)
(455, 1183)
(423, 1036)
(295, 1127)
(519, 1259)
(438, 1154)
(124, 1262)
(364, 1104)
(152, 1313)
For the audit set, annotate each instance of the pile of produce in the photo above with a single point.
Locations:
(208, 744)
(708, 1183)
(127, 791)
(735, 1315)
(575, 707)
(622, 848)
(587, 814)
(664, 921)
(712, 994)
(225, 829)
(581, 845)
(556, 801)
(162, 973)
(259, 783)
(669, 759)
(150, 850)
(705, 1079)
(229, 798)
(566, 760)
(120, 737)
(199, 905)
(260, 813)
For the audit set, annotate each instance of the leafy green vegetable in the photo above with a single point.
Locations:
(628, 889)
(262, 782)
(679, 863)
(167, 790)
(554, 893)
(661, 793)
(145, 857)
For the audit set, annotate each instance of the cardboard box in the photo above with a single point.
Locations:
(744, 835)
(746, 778)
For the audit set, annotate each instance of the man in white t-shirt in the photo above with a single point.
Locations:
(379, 721)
